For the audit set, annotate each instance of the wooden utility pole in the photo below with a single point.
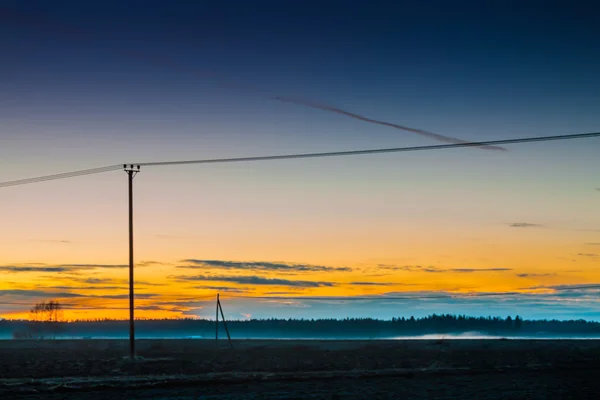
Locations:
(220, 308)
(131, 173)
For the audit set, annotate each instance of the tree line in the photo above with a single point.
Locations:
(308, 328)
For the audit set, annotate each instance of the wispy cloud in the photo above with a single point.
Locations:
(570, 287)
(469, 270)
(260, 266)
(373, 284)
(126, 296)
(255, 280)
(29, 268)
(96, 281)
(223, 289)
(282, 293)
(410, 268)
(101, 287)
(58, 268)
(526, 275)
(438, 270)
(92, 266)
(145, 283)
(584, 286)
(524, 225)
(47, 292)
(37, 293)
(149, 263)
(103, 281)
(329, 108)
(593, 244)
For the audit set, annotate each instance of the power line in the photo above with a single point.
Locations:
(61, 176)
(301, 156)
(374, 151)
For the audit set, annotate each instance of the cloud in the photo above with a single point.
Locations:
(260, 266)
(592, 244)
(398, 267)
(392, 296)
(153, 307)
(329, 108)
(408, 268)
(37, 293)
(148, 263)
(43, 292)
(524, 225)
(567, 305)
(587, 255)
(374, 284)
(280, 293)
(430, 294)
(95, 281)
(145, 283)
(438, 270)
(126, 296)
(583, 286)
(84, 287)
(92, 266)
(223, 289)
(28, 268)
(597, 189)
(526, 275)
(98, 281)
(255, 280)
(572, 293)
(469, 270)
(58, 268)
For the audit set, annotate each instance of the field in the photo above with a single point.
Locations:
(189, 369)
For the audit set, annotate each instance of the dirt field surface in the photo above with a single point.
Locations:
(196, 369)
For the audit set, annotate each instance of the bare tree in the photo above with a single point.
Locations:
(46, 318)
(50, 311)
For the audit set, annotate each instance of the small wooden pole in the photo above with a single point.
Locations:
(217, 322)
(224, 323)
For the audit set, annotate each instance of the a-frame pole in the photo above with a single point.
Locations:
(217, 323)
(220, 307)
(131, 172)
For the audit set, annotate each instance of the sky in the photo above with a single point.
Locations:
(474, 231)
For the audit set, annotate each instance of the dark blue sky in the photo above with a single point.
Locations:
(474, 69)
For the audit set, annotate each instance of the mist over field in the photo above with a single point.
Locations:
(433, 327)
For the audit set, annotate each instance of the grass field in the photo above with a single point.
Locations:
(185, 368)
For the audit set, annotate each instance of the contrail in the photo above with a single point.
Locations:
(45, 24)
(326, 107)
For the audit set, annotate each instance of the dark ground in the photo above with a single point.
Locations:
(513, 385)
(195, 369)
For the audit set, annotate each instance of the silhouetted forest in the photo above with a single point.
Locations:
(310, 328)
